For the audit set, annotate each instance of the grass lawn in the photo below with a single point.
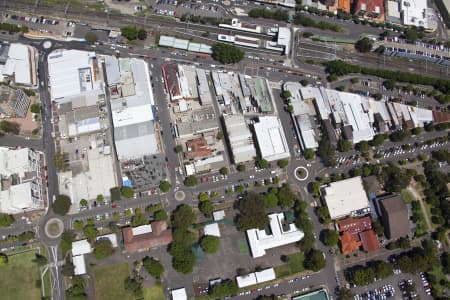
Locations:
(109, 282)
(293, 265)
(437, 272)
(407, 196)
(153, 293)
(18, 278)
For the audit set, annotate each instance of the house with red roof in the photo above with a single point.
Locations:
(369, 9)
(145, 237)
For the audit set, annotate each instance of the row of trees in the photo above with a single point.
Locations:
(282, 196)
(132, 33)
(183, 258)
(340, 68)
(363, 275)
(6, 220)
(278, 15)
(13, 28)
(301, 19)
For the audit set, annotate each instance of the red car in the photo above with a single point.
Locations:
(113, 206)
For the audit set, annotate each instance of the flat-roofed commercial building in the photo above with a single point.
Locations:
(271, 139)
(240, 138)
(345, 198)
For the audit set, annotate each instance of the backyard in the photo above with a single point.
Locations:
(18, 279)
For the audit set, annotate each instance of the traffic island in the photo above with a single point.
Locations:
(180, 195)
(54, 228)
(301, 173)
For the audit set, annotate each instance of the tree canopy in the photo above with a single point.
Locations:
(103, 249)
(364, 45)
(183, 217)
(90, 231)
(91, 37)
(209, 243)
(206, 207)
(227, 54)
(153, 267)
(6, 220)
(61, 205)
(314, 260)
(133, 33)
(183, 258)
(3, 259)
(127, 192)
(190, 180)
(224, 288)
(329, 237)
(165, 186)
(283, 163)
(251, 212)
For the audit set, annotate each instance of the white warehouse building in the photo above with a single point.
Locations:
(271, 139)
(240, 138)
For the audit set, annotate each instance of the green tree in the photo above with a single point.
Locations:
(183, 217)
(286, 197)
(411, 35)
(127, 192)
(134, 285)
(153, 267)
(78, 225)
(326, 152)
(61, 205)
(129, 32)
(223, 171)
(309, 154)
(91, 37)
(227, 54)
(6, 220)
(138, 220)
(363, 146)
(344, 145)
(165, 186)
(10, 127)
(223, 289)
(329, 237)
(113, 226)
(90, 232)
(203, 197)
(206, 207)
(323, 214)
(240, 189)
(345, 294)
(251, 212)
(304, 82)
(286, 95)
(41, 260)
(209, 243)
(190, 180)
(241, 167)
(364, 45)
(160, 215)
(283, 163)
(103, 249)
(270, 200)
(142, 34)
(66, 241)
(83, 203)
(183, 258)
(100, 198)
(3, 259)
(314, 260)
(219, 135)
(35, 108)
(178, 149)
(262, 163)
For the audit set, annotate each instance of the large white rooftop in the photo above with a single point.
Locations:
(70, 73)
(280, 234)
(345, 197)
(142, 229)
(17, 198)
(112, 237)
(240, 138)
(212, 229)
(19, 64)
(179, 294)
(79, 265)
(14, 161)
(256, 278)
(81, 247)
(271, 139)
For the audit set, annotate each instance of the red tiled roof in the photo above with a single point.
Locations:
(170, 73)
(159, 236)
(355, 226)
(370, 5)
(348, 243)
(441, 117)
(197, 148)
(369, 241)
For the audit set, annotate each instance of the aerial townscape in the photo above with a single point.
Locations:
(224, 149)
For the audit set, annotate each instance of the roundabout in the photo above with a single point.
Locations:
(54, 228)
(301, 173)
(180, 195)
(47, 44)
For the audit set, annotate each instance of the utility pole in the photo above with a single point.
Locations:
(67, 8)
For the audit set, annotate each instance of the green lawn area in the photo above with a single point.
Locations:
(243, 247)
(153, 293)
(18, 278)
(437, 272)
(407, 196)
(293, 265)
(109, 282)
